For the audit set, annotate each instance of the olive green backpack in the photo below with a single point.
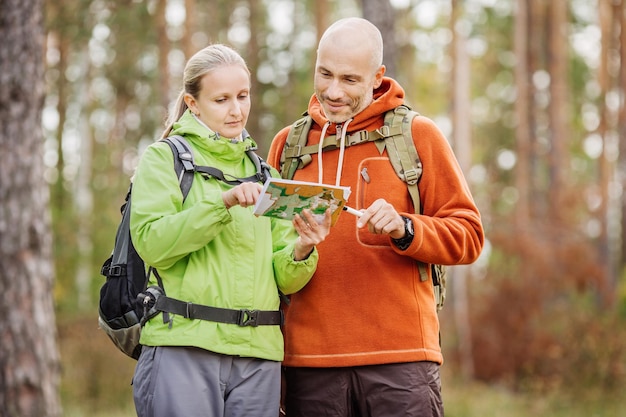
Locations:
(395, 134)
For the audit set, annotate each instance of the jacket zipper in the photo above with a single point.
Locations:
(365, 179)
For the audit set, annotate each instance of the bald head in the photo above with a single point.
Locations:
(354, 33)
(348, 68)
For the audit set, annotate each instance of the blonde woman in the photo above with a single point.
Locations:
(210, 250)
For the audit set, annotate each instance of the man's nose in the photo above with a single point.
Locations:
(334, 90)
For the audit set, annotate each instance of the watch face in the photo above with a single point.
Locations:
(408, 225)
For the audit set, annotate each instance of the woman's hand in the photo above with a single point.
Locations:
(244, 194)
(310, 233)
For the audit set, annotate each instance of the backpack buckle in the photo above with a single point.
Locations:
(248, 318)
(411, 176)
(384, 131)
(357, 137)
(293, 152)
(185, 156)
(116, 270)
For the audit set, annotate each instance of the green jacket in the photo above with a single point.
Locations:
(209, 255)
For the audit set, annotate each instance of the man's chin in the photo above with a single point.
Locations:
(337, 117)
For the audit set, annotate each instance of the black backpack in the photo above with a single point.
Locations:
(124, 304)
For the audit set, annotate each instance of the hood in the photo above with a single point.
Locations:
(207, 140)
(386, 97)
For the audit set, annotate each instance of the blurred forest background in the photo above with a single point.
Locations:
(530, 94)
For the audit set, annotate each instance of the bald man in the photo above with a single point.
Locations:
(362, 338)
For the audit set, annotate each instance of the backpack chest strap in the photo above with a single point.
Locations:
(332, 142)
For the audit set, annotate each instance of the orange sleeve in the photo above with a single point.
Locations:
(276, 148)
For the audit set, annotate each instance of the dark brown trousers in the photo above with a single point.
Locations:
(401, 389)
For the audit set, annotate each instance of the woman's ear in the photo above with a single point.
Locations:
(190, 101)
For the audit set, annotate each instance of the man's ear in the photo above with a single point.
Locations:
(378, 77)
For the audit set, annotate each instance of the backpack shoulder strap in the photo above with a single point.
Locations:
(406, 161)
(401, 150)
(183, 162)
(292, 155)
(263, 170)
(185, 167)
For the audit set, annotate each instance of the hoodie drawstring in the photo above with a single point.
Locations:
(320, 170)
(342, 148)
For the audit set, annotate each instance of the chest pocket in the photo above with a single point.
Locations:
(377, 179)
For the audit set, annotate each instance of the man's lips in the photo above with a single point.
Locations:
(335, 106)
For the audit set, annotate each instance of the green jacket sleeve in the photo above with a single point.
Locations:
(291, 276)
(162, 232)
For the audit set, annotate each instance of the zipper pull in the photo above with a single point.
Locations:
(365, 175)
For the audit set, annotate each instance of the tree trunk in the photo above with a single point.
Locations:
(559, 104)
(164, 48)
(252, 52)
(321, 17)
(604, 130)
(536, 43)
(462, 126)
(620, 11)
(83, 200)
(29, 359)
(191, 25)
(523, 130)
(381, 14)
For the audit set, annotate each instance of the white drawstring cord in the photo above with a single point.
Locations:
(342, 148)
(320, 170)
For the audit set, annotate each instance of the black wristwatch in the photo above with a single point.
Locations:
(404, 242)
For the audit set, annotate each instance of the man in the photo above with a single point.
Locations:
(362, 338)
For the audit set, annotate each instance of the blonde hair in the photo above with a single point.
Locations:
(202, 62)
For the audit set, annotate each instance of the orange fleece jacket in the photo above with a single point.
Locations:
(366, 304)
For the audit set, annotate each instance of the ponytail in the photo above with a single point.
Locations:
(179, 109)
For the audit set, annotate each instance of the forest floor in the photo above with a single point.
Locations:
(96, 382)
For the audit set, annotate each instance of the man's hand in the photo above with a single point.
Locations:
(382, 218)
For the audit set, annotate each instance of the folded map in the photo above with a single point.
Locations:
(282, 199)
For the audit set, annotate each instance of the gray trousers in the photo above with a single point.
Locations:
(184, 381)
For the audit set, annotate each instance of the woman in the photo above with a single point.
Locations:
(211, 250)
